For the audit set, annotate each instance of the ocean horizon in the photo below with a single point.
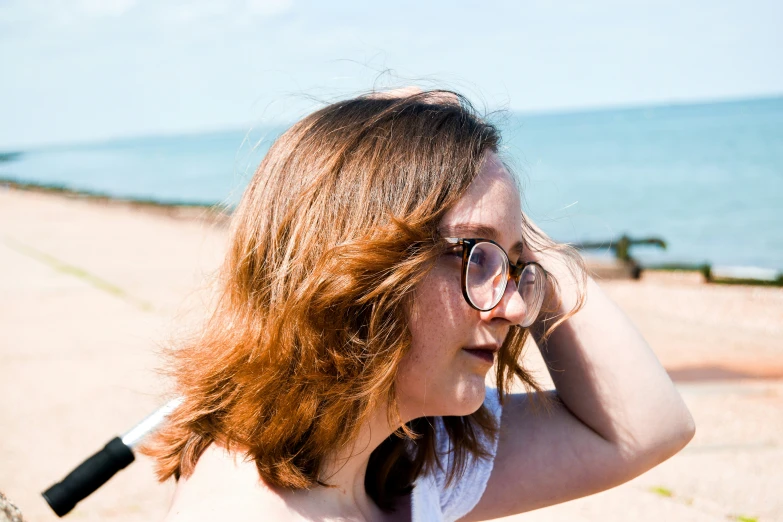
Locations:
(705, 177)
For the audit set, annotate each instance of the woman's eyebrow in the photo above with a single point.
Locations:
(480, 231)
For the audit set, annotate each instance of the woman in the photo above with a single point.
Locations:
(379, 266)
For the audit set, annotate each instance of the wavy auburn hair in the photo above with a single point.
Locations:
(334, 232)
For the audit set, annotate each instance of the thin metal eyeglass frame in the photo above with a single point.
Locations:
(514, 270)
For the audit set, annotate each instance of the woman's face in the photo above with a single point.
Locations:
(453, 344)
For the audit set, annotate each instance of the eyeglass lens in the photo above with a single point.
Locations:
(487, 275)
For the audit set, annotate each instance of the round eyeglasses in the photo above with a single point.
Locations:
(486, 270)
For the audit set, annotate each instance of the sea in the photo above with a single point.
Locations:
(705, 178)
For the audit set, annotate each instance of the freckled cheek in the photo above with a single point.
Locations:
(441, 318)
(440, 297)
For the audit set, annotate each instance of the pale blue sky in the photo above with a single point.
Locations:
(81, 70)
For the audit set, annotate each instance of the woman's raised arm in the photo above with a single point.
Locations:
(616, 412)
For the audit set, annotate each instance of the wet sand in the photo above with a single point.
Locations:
(91, 290)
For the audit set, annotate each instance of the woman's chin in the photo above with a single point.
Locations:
(456, 396)
(477, 399)
(468, 396)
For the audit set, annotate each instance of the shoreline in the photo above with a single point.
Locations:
(212, 213)
(216, 213)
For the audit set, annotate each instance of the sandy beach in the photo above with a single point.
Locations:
(92, 290)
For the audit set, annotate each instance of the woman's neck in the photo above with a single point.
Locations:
(345, 470)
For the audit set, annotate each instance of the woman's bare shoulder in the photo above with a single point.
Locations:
(223, 486)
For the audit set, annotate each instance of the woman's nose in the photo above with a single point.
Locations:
(511, 306)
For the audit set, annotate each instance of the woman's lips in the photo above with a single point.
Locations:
(486, 354)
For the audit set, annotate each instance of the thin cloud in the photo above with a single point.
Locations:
(268, 7)
(59, 12)
(62, 12)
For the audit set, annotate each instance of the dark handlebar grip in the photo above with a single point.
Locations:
(89, 476)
